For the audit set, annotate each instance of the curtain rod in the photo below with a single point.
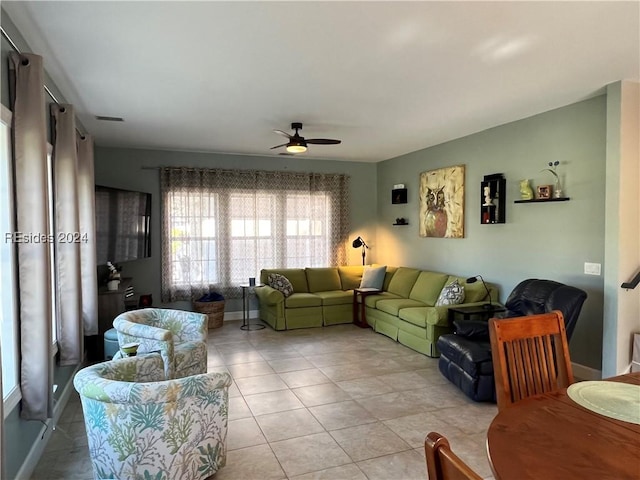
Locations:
(46, 89)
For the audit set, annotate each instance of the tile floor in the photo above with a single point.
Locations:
(324, 403)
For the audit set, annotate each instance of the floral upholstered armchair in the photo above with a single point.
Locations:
(141, 426)
(179, 336)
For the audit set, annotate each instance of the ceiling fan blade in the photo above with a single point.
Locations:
(278, 146)
(285, 134)
(323, 141)
(287, 154)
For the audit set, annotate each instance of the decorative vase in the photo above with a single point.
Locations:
(526, 192)
(557, 190)
(112, 285)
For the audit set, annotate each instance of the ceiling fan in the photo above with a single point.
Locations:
(298, 144)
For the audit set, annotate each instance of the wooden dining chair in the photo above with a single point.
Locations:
(442, 463)
(530, 356)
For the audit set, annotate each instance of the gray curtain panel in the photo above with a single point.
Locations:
(87, 205)
(34, 260)
(67, 234)
(220, 227)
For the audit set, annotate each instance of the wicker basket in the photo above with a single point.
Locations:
(213, 310)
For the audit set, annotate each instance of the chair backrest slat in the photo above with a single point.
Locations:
(530, 356)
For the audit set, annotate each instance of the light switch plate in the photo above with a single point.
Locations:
(592, 268)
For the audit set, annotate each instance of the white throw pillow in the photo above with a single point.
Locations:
(373, 277)
(452, 294)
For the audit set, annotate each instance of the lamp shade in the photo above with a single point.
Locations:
(358, 242)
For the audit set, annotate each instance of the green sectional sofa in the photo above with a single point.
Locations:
(404, 310)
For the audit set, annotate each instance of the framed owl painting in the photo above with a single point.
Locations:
(442, 202)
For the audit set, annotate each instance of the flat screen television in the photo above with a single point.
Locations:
(123, 221)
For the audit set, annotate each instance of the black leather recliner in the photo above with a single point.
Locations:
(465, 356)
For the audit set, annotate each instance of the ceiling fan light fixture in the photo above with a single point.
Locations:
(296, 147)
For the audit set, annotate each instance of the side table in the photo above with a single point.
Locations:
(479, 311)
(246, 294)
(364, 293)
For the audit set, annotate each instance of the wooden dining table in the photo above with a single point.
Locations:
(550, 436)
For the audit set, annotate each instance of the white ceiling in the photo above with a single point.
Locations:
(387, 78)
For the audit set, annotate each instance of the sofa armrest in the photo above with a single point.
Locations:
(269, 295)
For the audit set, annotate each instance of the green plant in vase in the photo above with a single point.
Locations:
(557, 189)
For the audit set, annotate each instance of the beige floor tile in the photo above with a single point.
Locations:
(345, 472)
(252, 463)
(278, 353)
(407, 465)
(349, 371)
(254, 369)
(392, 405)
(233, 390)
(414, 428)
(261, 384)
(403, 381)
(309, 454)
(238, 408)
(472, 450)
(244, 432)
(304, 378)
(472, 419)
(321, 394)
(332, 359)
(284, 425)
(291, 364)
(341, 415)
(369, 441)
(273, 402)
(365, 387)
(242, 357)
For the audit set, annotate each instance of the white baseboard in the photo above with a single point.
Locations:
(37, 449)
(585, 373)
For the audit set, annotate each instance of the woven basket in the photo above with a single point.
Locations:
(213, 310)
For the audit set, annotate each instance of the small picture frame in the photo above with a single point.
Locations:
(544, 192)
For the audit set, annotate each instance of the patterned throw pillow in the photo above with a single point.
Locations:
(452, 294)
(281, 283)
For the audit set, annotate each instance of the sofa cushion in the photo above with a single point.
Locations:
(391, 271)
(403, 280)
(372, 300)
(336, 297)
(423, 316)
(373, 277)
(280, 283)
(350, 276)
(298, 300)
(296, 276)
(393, 306)
(323, 279)
(451, 294)
(427, 287)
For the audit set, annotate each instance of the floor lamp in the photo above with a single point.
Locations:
(359, 242)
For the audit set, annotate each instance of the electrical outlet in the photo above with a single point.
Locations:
(592, 268)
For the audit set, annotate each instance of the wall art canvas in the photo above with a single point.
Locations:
(442, 202)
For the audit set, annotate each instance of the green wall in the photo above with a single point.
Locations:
(122, 168)
(549, 241)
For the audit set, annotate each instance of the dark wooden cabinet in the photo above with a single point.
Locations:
(493, 199)
(111, 303)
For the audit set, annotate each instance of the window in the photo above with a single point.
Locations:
(219, 234)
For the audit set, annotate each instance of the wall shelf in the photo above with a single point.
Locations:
(544, 200)
(399, 224)
(493, 199)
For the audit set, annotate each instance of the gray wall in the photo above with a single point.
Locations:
(122, 168)
(538, 240)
